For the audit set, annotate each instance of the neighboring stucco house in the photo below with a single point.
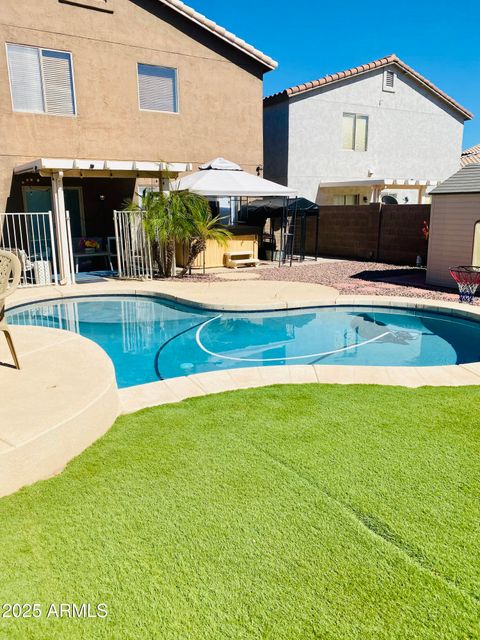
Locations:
(354, 137)
(96, 96)
(470, 156)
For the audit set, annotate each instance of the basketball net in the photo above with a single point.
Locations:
(468, 280)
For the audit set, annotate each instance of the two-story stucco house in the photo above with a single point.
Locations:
(99, 98)
(380, 131)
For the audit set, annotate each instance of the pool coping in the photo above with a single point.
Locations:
(178, 389)
(46, 452)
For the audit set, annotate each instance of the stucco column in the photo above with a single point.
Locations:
(63, 243)
(421, 193)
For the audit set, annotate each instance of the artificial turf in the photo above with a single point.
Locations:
(311, 511)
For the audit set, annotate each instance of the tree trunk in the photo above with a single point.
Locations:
(169, 258)
(195, 249)
(157, 255)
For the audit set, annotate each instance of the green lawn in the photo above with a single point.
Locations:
(310, 511)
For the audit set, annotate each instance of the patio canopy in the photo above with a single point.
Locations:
(73, 167)
(221, 178)
(274, 207)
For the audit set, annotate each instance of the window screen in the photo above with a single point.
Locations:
(41, 80)
(25, 78)
(157, 88)
(57, 80)
(354, 132)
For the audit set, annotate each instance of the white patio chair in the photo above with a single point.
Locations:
(26, 265)
(10, 273)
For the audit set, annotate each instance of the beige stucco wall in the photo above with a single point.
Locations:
(452, 226)
(220, 89)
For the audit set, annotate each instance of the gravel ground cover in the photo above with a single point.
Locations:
(353, 277)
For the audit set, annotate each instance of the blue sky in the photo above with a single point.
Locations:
(310, 38)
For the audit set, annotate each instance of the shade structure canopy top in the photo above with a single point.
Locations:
(221, 165)
(274, 206)
(217, 182)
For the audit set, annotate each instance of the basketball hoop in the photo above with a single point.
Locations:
(467, 279)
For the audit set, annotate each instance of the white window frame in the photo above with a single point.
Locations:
(367, 130)
(44, 112)
(177, 92)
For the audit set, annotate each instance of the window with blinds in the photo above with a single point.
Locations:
(354, 132)
(41, 80)
(157, 88)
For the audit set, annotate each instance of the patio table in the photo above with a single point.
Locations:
(77, 256)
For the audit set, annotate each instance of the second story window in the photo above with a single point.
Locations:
(355, 132)
(41, 80)
(157, 88)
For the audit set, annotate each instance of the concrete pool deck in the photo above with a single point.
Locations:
(65, 396)
(238, 295)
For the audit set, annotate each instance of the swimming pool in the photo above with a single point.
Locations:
(150, 338)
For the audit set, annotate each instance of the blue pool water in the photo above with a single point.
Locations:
(151, 339)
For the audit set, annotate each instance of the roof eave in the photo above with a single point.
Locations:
(468, 115)
(230, 38)
(350, 73)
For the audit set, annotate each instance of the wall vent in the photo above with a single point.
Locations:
(389, 80)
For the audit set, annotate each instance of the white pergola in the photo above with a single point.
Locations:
(59, 168)
(377, 185)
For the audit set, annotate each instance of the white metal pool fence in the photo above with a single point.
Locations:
(133, 249)
(30, 236)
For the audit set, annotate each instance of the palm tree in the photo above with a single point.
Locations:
(202, 226)
(163, 227)
(177, 217)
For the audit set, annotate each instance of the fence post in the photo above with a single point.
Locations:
(379, 236)
(61, 224)
(118, 244)
(54, 248)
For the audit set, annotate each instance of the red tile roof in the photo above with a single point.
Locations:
(365, 68)
(471, 156)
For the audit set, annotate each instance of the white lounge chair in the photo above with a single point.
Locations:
(26, 265)
(10, 272)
